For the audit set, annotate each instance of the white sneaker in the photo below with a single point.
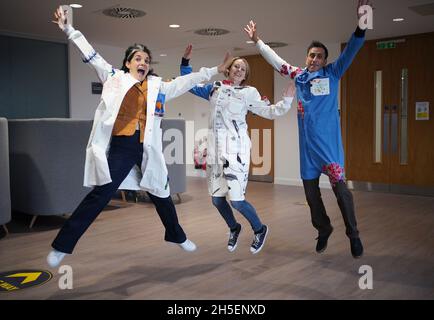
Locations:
(55, 257)
(188, 245)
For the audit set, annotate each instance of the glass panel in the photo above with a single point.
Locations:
(378, 113)
(404, 117)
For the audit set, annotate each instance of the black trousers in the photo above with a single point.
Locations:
(125, 152)
(320, 220)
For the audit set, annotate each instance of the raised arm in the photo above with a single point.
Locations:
(89, 55)
(353, 46)
(280, 65)
(263, 108)
(186, 82)
(201, 90)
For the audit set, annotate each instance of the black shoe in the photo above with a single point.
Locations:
(356, 248)
(321, 245)
(259, 240)
(233, 238)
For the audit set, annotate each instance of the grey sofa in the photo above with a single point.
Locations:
(5, 194)
(47, 163)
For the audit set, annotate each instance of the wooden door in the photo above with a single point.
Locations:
(261, 130)
(383, 140)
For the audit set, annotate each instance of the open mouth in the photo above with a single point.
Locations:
(141, 72)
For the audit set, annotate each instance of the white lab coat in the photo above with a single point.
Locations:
(228, 135)
(116, 83)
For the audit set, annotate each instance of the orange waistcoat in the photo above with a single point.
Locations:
(132, 111)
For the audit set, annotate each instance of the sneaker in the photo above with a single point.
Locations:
(233, 238)
(188, 245)
(356, 248)
(259, 240)
(321, 244)
(55, 257)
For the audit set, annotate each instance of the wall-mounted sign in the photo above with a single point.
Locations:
(388, 44)
(422, 110)
(96, 87)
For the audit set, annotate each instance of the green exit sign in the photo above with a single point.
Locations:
(386, 45)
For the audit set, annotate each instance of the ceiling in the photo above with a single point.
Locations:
(290, 21)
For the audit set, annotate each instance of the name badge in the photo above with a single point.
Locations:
(320, 87)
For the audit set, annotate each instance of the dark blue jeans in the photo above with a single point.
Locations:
(125, 152)
(245, 208)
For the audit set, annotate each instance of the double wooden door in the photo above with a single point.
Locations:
(386, 97)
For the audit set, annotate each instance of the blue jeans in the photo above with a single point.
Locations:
(245, 208)
(125, 152)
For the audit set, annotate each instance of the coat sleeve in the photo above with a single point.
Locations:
(280, 65)
(264, 108)
(90, 56)
(182, 84)
(201, 90)
(347, 56)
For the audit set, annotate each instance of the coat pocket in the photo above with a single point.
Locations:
(236, 145)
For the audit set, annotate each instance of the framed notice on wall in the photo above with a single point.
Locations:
(422, 110)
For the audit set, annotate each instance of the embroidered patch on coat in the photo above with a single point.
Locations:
(300, 109)
(159, 105)
(335, 173)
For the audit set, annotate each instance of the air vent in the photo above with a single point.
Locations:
(276, 44)
(123, 13)
(424, 9)
(211, 32)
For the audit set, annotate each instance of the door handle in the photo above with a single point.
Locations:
(386, 122)
(394, 130)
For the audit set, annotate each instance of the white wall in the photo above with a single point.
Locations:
(195, 110)
(83, 103)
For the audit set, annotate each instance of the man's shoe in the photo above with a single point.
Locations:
(321, 245)
(55, 257)
(356, 248)
(259, 240)
(188, 245)
(233, 238)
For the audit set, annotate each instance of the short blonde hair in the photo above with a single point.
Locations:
(247, 69)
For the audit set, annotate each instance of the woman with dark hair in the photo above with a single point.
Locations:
(126, 133)
(228, 150)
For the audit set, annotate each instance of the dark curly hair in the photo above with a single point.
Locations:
(129, 53)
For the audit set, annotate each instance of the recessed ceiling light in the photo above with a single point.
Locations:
(250, 41)
(211, 32)
(123, 13)
(398, 19)
(75, 5)
(163, 55)
(174, 25)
